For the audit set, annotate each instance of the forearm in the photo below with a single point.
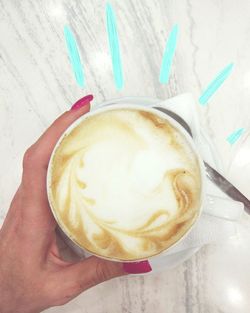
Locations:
(11, 302)
(16, 291)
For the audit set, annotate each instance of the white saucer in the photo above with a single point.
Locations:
(164, 262)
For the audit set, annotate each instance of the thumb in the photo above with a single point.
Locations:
(78, 277)
(36, 158)
(45, 144)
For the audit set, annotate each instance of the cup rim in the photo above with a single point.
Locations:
(107, 106)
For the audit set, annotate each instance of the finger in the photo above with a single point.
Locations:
(85, 274)
(43, 147)
(93, 271)
(37, 157)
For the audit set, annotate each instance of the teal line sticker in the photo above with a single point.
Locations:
(168, 55)
(74, 56)
(235, 135)
(114, 46)
(215, 84)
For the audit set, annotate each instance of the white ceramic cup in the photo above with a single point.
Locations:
(212, 202)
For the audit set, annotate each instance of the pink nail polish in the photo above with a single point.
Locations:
(137, 267)
(81, 102)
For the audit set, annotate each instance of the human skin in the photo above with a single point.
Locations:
(33, 276)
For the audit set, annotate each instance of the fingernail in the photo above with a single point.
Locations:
(137, 267)
(82, 102)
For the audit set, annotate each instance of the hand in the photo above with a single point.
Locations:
(33, 277)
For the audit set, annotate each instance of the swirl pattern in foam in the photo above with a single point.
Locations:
(125, 184)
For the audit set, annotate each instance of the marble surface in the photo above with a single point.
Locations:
(37, 84)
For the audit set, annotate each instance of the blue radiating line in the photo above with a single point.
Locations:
(74, 56)
(235, 135)
(114, 46)
(168, 55)
(215, 84)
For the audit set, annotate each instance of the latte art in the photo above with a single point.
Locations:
(125, 184)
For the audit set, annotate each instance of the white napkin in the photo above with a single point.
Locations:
(209, 229)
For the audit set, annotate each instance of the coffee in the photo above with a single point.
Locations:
(125, 184)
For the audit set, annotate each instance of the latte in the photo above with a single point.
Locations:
(125, 184)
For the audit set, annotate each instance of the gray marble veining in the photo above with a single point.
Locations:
(37, 84)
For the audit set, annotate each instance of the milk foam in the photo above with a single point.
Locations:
(125, 184)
